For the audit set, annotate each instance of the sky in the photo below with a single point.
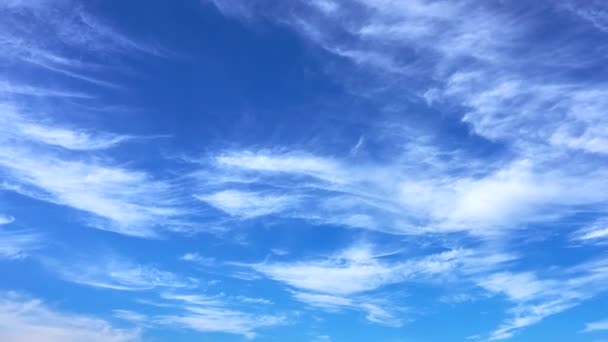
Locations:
(303, 170)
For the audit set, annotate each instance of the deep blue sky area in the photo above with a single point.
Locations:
(303, 170)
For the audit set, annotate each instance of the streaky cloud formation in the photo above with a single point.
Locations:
(357, 170)
(15, 244)
(221, 320)
(375, 312)
(595, 233)
(390, 197)
(52, 35)
(355, 277)
(7, 88)
(121, 200)
(24, 129)
(29, 319)
(116, 273)
(205, 314)
(537, 298)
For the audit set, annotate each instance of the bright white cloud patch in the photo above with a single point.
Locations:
(130, 201)
(351, 272)
(248, 204)
(68, 139)
(392, 197)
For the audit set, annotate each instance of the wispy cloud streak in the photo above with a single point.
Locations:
(27, 319)
(116, 273)
(119, 199)
(16, 244)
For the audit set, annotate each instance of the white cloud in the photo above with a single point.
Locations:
(359, 269)
(327, 6)
(539, 119)
(516, 286)
(536, 299)
(222, 320)
(131, 202)
(322, 338)
(514, 109)
(527, 315)
(116, 274)
(596, 326)
(328, 302)
(596, 232)
(349, 280)
(352, 271)
(16, 244)
(45, 33)
(354, 278)
(24, 319)
(5, 219)
(130, 316)
(503, 105)
(199, 259)
(194, 299)
(213, 314)
(376, 313)
(120, 199)
(301, 164)
(68, 138)
(501, 199)
(279, 251)
(254, 300)
(247, 204)
(456, 194)
(24, 128)
(10, 88)
(594, 12)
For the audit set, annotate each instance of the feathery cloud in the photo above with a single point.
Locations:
(119, 199)
(214, 314)
(594, 233)
(536, 298)
(63, 38)
(27, 319)
(16, 244)
(379, 313)
(393, 198)
(116, 274)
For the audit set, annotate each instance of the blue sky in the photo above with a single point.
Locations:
(303, 170)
